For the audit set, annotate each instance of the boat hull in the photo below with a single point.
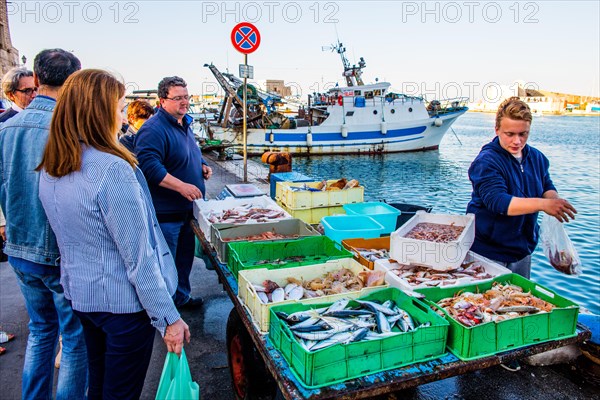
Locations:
(363, 139)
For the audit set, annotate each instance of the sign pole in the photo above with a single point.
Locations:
(245, 39)
(245, 126)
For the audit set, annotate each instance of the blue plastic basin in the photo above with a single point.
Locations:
(383, 213)
(340, 227)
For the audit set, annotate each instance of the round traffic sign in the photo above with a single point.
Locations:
(245, 37)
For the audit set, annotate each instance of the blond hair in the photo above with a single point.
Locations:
(513, 108)
(86, 112)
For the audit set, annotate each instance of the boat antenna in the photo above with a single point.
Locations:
(351, 73)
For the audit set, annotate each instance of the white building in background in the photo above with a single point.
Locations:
(540, 101)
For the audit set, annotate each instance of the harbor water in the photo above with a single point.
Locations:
(440, 179)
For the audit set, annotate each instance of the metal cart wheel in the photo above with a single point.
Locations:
(249, 376)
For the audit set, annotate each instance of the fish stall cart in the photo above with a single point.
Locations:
(259, 370)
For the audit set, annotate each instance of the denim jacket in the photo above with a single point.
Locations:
(22, 142)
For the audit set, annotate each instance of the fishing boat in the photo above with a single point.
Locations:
(356, 118)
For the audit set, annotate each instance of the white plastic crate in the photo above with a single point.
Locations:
(440, 256)
(396, 281)
(203, 209)
(260, 310)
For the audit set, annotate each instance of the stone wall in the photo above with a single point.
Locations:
(9, 56)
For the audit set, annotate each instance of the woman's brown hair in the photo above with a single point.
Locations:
(85, 113)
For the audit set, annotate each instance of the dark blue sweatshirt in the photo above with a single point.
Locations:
(497, 177)
(164, 146)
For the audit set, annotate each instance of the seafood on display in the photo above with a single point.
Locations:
(317, 329)
(439, 233)
(501, 302)
(416, 275)
(281, 261)
(324, 186)
(372, 254)
(261, 236)
(336, 282)
(563, 261)
(245, 213)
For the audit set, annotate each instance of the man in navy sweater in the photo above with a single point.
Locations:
(175, 171)
(511, 184)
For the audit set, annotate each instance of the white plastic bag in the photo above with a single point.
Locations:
(558, 247)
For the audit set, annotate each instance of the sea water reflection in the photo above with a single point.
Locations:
(439, 179)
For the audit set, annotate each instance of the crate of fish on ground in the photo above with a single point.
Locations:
(236, 211)
(260, 289)
(329, 343)
(367, 251)
(474, 269)
(440, 241)
(506, 313)
(283, 253)
(321, 194)
(287, 229)
(313, 215)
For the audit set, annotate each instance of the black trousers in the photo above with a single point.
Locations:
(119, 347)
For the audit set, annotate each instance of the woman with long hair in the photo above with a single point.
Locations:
(116, 268)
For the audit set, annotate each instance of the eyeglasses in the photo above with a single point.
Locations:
(27, 91)
(178, 98)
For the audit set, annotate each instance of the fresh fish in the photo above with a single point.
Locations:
(259, 288)
(282, 315)
(320, 335)
(311, 325)
(342, 337)
(408, 319)
(462, 304)
(278, 295)
(358, 335)
(338, 324)
(376, 307)
(263, 297)
(300, 316)
(288, 288)
(347, 313)
(383, 325)
(373, 335)
(338, 305)
(296, 293)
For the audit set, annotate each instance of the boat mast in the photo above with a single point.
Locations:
(351, 73)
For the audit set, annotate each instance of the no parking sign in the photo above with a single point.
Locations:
(245, 37)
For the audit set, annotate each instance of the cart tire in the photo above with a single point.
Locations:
(250, 377)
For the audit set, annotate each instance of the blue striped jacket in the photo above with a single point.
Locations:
(114, 257)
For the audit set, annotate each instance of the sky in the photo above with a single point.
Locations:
(437, 48)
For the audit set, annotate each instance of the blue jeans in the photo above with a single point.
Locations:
(119, 350)
(50, 313)
(521, 267)
(181, 241)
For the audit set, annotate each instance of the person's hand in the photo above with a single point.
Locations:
(561, 209)
(190, 192)
(206, 171)
(3, 232)
(175, 335)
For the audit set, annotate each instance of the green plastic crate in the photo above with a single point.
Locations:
(469, 343)
(341, 362)
(315, 249)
